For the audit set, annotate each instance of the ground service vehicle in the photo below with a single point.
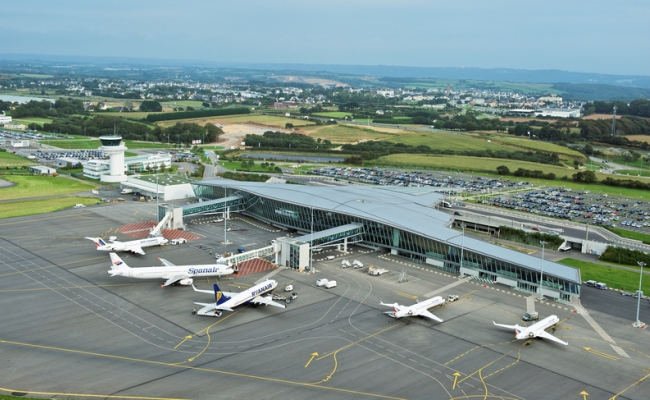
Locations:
(376, 271)
(345, 264)
(452, 297)
(530, 316)
(330, 257)
(330, 284)
(178, 241)
(241, 249)
(357, 264)
(601, 286)
(126, 191)
(321, 282)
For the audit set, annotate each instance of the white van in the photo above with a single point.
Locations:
(329, 258)
(321, 282)
(330, 284)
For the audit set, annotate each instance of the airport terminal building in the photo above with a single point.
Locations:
(402, 221)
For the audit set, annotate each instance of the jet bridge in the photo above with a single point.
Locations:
(295, 252)
(249, 255)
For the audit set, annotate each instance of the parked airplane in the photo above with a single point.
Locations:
(229, 300)
(134, 246)
(416, 310)
(174, 274)
(538, 329)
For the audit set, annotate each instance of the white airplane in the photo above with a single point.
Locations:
(174, 274)
(537, 329)
(229, 300)
(134, 246)
(416, 310)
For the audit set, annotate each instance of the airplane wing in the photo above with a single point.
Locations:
(175, 279)
(389, 305)
(427, 314)
(546, 335)
(267, 302)
(511, 327)
(167, 263)
(135, 249)
(211, 291)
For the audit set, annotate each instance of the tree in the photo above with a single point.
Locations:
(150, 106)
(503, 170)
(288, 125)
(588, 149)
(205, 104)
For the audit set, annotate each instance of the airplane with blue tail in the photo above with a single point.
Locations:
(227, 301)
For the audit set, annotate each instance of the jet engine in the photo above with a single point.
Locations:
(186, 282)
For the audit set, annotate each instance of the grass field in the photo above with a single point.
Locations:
(632, 172)
(461, 163)
(35, 120)
(614, 277)
(449, 141)
(95, 143)
(183, 103)
(236, 165)
(8, 159)
(39, 186)
(333, 114)
(346, 133)
(539, 145)
(21, 208)
(37, 76)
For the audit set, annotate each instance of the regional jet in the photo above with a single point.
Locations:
(416, 310)
(228, 300)
(536, 330)
(134, 246)
(174, 274)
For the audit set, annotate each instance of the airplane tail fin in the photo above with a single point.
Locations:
(117, 265)
(219, 297)
(98, 241)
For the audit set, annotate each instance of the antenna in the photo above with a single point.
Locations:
(614, 122)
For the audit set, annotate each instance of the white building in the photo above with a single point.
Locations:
(42, 170)
(5, 119)
(558, 112)
(167, 187)
(101, 169)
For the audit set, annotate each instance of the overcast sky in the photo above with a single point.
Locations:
(574, 35)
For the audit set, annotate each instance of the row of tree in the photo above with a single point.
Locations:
(104, 124)
(281, 140)
(197, 114)
(638, 107)
(44, 108)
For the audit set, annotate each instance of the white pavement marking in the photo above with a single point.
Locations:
(269, 275)
(451, 285)
(600, 331)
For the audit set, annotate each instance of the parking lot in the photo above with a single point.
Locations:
(582, 206)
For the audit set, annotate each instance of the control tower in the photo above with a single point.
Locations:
(113, 146)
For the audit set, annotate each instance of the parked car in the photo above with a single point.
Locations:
(178, 241)
(452, 297)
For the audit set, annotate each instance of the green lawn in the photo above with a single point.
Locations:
(632, 172)
(614, 278)
(183, 103)
(38, 186)
(236, 165)
(450, 141)
(644, 237)
(8, 159)
(22, 208)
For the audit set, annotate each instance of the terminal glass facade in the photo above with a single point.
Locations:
(416, 247)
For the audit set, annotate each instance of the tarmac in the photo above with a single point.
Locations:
(71, 330)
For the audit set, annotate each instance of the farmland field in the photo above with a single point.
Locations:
(38, 186)
(333, 114)
(270, 120)
(183, 103)
(8, 159)
(44, 206)
(640, 138)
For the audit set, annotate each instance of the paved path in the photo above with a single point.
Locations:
(582, 311)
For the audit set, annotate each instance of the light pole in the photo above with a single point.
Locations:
(462, 247)
(541, 274)
(638, 323)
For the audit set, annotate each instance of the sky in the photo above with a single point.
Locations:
(611, 37)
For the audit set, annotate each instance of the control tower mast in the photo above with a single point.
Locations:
(113, 146)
